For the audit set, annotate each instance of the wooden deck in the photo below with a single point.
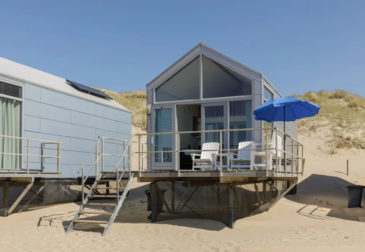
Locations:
(221, 177)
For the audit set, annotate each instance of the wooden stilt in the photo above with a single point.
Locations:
(173, 196)
(155, 206)
(230, 207)
(5, 198)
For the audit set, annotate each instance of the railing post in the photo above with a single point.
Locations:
(83, 185)
(177, 153)
(96, 158)
(58, 157)
(276, 151)
(267, 152)
(292, 156)
(102, 154)
(117, 185)
(124, 156)
(139, 155)
(285, 153)
(220, 152)
(28, 153)
(129, 159)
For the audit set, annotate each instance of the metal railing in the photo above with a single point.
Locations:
(26, 143)
(266, 149)
(97, 158)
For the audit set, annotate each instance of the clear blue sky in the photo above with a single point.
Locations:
(298, 45)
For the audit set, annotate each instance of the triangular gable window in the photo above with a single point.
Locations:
(184, 85)
(220, 81)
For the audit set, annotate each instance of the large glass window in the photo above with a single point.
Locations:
(239, 118)
(184, 85)
(220, 81)
(10, 125)
(163, 123)
(214, 120)
(268, 95)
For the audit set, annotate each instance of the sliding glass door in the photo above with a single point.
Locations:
(163, 143)
(232, 115)
(240, 116)
(214, 119)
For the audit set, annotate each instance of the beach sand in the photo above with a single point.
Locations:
(316, 219)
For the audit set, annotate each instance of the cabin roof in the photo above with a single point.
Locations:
(202, 49)
(9, 68)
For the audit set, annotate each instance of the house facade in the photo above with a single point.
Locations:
(204, 91)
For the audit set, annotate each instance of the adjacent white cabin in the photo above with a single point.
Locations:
(48, 123)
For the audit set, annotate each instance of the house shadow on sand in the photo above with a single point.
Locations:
(326, 196)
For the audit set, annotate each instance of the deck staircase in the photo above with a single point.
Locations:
(101, 204)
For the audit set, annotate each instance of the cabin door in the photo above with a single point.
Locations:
(163, 144)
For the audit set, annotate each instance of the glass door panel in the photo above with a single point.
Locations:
(214, 119)
(163, 123)
(239, 118)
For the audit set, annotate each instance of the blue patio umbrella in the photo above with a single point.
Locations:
(286, 109)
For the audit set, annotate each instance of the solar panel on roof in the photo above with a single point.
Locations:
(88, 90)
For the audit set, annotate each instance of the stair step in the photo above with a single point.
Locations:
(101, 204)
(91, 221)
(103, 196)
(93, 212)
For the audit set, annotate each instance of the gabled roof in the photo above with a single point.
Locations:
(34, 76)
(202, 49)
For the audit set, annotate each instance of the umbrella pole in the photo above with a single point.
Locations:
(284, 141)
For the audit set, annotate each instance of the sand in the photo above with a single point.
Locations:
(316, 219)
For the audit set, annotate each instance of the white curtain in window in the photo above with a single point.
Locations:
(10, 116)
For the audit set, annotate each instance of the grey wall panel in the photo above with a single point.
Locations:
(74, 122)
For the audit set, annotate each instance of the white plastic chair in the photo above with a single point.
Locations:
(208, 157)
(242, 160)
(273, 155)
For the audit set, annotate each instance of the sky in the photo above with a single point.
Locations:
(299, 46)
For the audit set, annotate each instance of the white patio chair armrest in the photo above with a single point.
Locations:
(194, 155)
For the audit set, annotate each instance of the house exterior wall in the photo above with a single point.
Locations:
(75, 122)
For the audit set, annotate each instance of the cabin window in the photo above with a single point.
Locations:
(268, 95)
(184, 85)
(163, 123)
(239, 118)
(219, 81)
(10, 125)
(214, 120)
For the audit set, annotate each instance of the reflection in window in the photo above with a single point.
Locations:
(214, 120)
(239, 118)
(184, 85)
(268, 95)
(219, 81)
(163, 123)
(10, 90)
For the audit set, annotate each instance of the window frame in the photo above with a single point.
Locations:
(201, 98)
(21, 100)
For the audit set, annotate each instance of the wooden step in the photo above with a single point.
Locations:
(94, 212)
(103, 196)
(102, 204)
(91, 221)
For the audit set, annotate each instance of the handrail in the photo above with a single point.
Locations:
(28, 153)
(293, 150)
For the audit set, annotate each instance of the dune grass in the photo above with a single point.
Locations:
(136, 102)
(341, 118)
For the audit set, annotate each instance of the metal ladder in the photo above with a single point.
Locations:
(90, 203)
